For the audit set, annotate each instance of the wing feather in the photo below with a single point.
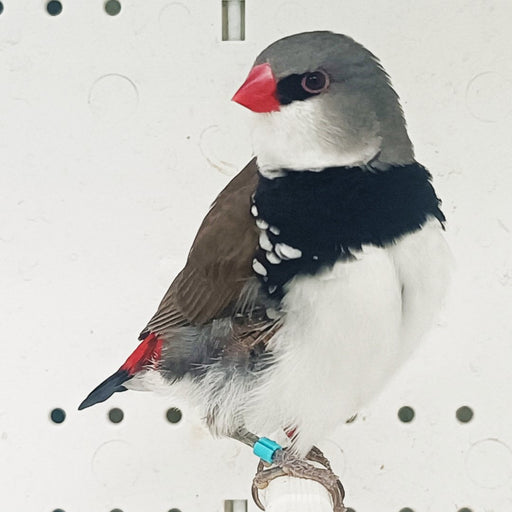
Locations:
(219, 264)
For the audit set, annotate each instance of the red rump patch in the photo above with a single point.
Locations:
(148, 352)
(290, 432)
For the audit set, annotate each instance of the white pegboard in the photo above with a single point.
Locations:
(116, 132)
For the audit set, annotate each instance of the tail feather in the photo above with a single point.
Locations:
(146, 355)
(106, 389)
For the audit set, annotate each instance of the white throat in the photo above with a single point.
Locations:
(302, 136)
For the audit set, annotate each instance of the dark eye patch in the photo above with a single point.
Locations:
(290, 89)
(295, 87)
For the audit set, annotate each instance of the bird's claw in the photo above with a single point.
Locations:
(258, 485)
(286, 464)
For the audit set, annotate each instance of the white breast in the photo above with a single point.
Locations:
(346, 332)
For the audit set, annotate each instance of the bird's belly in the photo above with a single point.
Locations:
(344, 336)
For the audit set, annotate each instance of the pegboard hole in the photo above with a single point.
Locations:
(54, 7)
(464, 414)
(175, 510)
(405, 415)
(235, 505)
(173, 415)
(116, 510)
(406, 509)
(115, 415)
(350, 510)
(465, 509)
(1, 7)
(57, 510)
(58, 415)
(112, 7)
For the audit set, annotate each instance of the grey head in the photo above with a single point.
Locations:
(355, 119)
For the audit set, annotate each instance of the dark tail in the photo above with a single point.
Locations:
(106, 389)
(146, 355)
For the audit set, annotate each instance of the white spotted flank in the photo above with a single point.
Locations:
(262, 224)
(273, 258)
(264, 241)
(258, 267)
(286, 252)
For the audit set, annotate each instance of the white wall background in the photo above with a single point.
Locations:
(116, 132)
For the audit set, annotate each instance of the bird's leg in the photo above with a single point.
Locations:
(248, 438)
(269, 474)
(286, 464)
(316, 455)
(244, 436)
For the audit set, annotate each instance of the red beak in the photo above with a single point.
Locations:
(258, 92)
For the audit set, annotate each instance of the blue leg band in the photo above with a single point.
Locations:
(265, 449)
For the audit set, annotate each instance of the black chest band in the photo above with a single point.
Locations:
(310, 220)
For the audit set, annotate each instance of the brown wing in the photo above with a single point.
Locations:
(220, 261)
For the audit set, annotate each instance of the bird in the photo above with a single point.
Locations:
(318, 268)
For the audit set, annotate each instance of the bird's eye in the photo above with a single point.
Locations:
(315, 82)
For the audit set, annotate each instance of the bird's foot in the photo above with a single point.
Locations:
(286, 464)
(316, 455)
